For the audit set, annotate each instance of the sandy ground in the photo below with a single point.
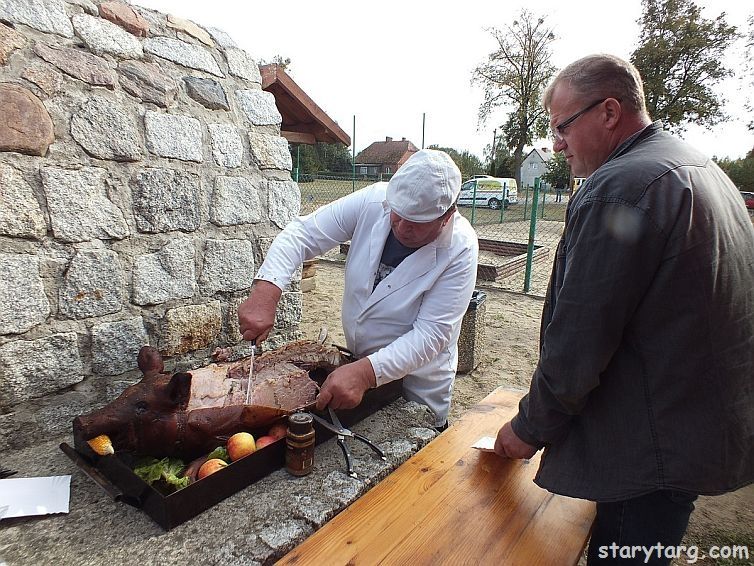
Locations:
(508, 358)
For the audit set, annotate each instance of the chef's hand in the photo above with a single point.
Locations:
(508, 445)
(256, 315)
(345, 387)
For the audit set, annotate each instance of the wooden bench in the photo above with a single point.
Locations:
(452, 504)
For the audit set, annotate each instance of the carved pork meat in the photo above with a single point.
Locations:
(189, 413)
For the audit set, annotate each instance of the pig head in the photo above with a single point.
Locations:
(151, 417)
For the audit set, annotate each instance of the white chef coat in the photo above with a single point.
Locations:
(410, 324)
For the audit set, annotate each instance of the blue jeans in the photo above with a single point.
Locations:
(639, 530)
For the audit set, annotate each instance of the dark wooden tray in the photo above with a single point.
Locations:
(115, 476)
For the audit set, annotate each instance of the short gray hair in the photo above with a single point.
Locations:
(602, 76)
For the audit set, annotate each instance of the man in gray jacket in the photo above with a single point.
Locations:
(643, 396)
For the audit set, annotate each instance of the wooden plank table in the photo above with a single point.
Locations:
(452, 504)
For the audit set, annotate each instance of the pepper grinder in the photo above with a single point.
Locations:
(299, 449)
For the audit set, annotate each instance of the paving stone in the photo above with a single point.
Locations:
(148, 82)
(103, 36)
(20, 213)
(165, 275)
(30, 369)
(26, 126)
(48, 16)
(186, 54)
(93, 285)
(107, 130)
(23, 303)
(125, 16)
(10, 40)
(166, 200)
(235, 201)
(78, 64)
(227, 144)
(207, 92)
(270, 152)
(170, 135)
(259, 107)
(79, 207)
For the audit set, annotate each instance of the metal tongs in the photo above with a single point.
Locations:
(342, 432)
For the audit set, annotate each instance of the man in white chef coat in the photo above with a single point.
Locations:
(409, 276)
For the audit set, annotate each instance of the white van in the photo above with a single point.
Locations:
(492, 192)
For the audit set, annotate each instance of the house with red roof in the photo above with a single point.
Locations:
(383, 158)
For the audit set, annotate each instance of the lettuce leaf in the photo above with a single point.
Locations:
(167, 469)
(220, 452)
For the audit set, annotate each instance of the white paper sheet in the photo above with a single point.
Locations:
(22, 497)
(485, 444)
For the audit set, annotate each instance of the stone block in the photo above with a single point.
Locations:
(288, 313)
(227, 145)
(166, 199)
(30, 369)
(49, 80)
(79, 207)
(283, 201)
(270, 152)
(48, 16)
(23, 303)
(10, 40)
(228, 266)
(189, 27)
(78, 64)
(148, 82)
(93, 285)
(221, 38)
(190, 328)
(116, 345)
(125, 16)
(169, 135)
(235, 201)
(186, 54)
(20, 213)
(259, 107)
(26, 126)
(242, 66)
(103, 36)
(165, 275)
(107, 130)
(206, 92)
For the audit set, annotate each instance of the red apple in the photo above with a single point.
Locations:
(239, 445)
(278, 430)
(210, 467)
(263, 441)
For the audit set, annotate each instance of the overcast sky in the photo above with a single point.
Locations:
(387, 63)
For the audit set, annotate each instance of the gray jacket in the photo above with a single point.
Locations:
(646, 372)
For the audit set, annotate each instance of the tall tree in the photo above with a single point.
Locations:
(749, 67)
(558, 172)
(513, 78)
(681, 58)
(501, 162)
(468, 163)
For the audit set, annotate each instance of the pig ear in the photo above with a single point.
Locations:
(179, 389)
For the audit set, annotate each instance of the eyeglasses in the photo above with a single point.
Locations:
(557, 131)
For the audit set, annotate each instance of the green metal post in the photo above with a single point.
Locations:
(532, 235)
(298, 160)
(353, 157)
(473, 205)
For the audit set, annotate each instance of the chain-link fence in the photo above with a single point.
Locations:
(514, 252)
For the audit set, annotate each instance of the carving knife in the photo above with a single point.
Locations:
(251, 372)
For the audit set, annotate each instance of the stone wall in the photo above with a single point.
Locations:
(142, 177)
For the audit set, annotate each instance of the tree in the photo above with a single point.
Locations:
(558, 172)
(740, 171)
(467, 162)
(681, 57)
(749, 67)
(514, 77)
(501, 161)
(321, 157)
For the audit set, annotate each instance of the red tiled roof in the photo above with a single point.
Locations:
(386, 152)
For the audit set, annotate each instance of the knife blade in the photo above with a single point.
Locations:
(251, 372)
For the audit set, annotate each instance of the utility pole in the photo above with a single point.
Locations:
(424, 116)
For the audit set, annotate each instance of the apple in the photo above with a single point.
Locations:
(278, 430)
(210, 467)
(263, 441)
(239, 445)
